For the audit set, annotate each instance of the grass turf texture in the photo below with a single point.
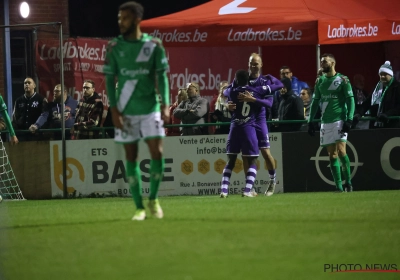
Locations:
(286, 236)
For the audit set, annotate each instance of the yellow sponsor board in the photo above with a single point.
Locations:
(193, 166)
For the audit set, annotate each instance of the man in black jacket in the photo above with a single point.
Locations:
(27, 109)
(290, 108)
(88, 113)
(384, 101)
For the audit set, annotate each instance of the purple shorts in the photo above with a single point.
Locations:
(243, 139)
(262, 134)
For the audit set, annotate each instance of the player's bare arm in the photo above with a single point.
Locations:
(231, 106)
(14, 140)
(165, 113)
(117, 118)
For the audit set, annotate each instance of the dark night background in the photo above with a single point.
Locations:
(94, 18)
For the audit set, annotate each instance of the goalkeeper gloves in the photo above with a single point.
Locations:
(347, 126)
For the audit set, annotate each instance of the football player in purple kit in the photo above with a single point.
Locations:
(243, 136)
(255, 80)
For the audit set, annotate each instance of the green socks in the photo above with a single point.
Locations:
(156, 175)
(346, 168)
(335, 169)
(135, 183)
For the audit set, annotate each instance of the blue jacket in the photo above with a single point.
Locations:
(52, 114)
(298, 85)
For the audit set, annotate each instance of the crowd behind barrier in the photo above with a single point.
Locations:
(35, 118)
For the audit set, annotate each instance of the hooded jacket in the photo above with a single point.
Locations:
(291, 107)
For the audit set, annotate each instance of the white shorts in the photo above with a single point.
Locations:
(140, 126)
(331, 133)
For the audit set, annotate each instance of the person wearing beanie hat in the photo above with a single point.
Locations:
(334, 94)
(386, 68)
(290, 108)
(287, 84)
(384, 101)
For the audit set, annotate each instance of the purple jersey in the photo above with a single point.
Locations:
(246, 113)
(242, 136)
(268, 81)
(261, 121)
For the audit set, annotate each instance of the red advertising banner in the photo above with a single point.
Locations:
(84, 59)
(205, 66)
(237, 23)
(358, 31)
(278, 23)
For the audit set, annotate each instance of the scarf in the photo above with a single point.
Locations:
(379, 94)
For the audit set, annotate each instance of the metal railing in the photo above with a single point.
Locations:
(103, 130)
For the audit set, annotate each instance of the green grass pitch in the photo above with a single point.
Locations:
(286, 236)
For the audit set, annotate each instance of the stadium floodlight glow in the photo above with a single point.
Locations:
(24, 9)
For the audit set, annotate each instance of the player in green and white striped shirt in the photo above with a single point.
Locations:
(333, 92)
(139, 63)
(6, 117)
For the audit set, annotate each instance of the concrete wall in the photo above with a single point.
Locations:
(31, 165)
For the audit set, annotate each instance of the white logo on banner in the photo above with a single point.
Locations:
(232, 8)
(385, 158)
(319, 158)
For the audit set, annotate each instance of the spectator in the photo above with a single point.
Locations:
(221, 112)
(176, 131)
(297, 85)
(88, 113)
(27, 109)
(194, 110)
(360, 95)
(212, 104)
(384, 101)
(216, 96)
(306, 96)
(290, 108)
(52, 114)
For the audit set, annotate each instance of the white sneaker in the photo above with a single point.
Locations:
(155, 209)
(271, 188)
(253, 192)
(223, 195)
(140, 215)
(248, 194)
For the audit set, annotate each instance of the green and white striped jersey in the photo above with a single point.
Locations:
(3, 105)
(135, 63)
(332, 93)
